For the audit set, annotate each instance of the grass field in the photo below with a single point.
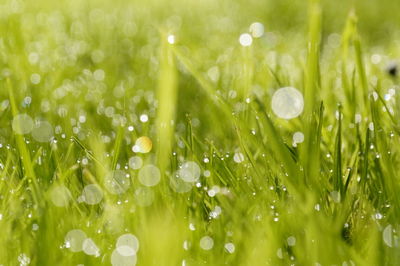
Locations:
(212, 132)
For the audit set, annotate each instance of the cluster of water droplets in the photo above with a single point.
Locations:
(76, 240)
(40, 130)
(124, 254)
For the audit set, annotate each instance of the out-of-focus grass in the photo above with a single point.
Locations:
(105, 73)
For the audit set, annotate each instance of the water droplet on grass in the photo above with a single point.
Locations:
(245, 39)
(279, 253)
(23, 259)
(298, 137)
(238, 157)
(287, 103)
(213, 73)
(127, 245)
(42, 131)
(357, 118)
(35, 78)
(144, 118)
(60, 196)
(99, 74)
(335, 195)
(206, 243)
(119, 260)
(143, 145)
(189, 172)
(149, 175)
(179, 185)
(291, 241)
(256, 29)
(126, 251)
(230, 247)
(22, 124)
(144, 196)
(378, 216)
(135, 162)
(74, 240)
(92, 194)
(117, 182)
(388, 235)
(90, 248)
(171, 39)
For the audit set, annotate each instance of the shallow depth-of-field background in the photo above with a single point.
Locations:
(142, 133)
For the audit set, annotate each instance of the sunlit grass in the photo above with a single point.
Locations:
(199, 133)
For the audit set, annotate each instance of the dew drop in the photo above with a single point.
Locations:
(144, 196)
(238, 157)
(149, 175)
(74, 240)
(35, 78)
(42, 131)
(127, 245)
(60, 196)
(291, 241)
(92, 194)
(287, 103)
(117, 182)
(135, 162)
(388, 235)
(179, 185)
(22, 124)
(144, 118)
(119, 260)
(171, 39)
(189, 172)
(143, 145)
(229, 247)
(298, 137)
(90, 248)
(206, 243)
(256, 29)
(245, 39)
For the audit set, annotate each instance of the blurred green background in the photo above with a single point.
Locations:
(92, 69)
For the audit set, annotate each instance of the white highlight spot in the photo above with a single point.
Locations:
(298, 137)
(171, 39)
(42, 131)
(144, 118)
(74, 240)
(206, 243)
(149, 175)
(388, 235)
(92, 194)
(229, 247)
(35, 78)
(291, 240)
(144, 196)
(117, 182)
(127, 245)
(142, 145)
(135, 162)
(287, 103)
(119, 260)
(90, 248)
(189, 172)
(60, 196)
(256, 29)
(99, 74)
(245, 39)
(238, 157)
(22, 124)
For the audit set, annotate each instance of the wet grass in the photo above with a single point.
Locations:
(105, 73)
